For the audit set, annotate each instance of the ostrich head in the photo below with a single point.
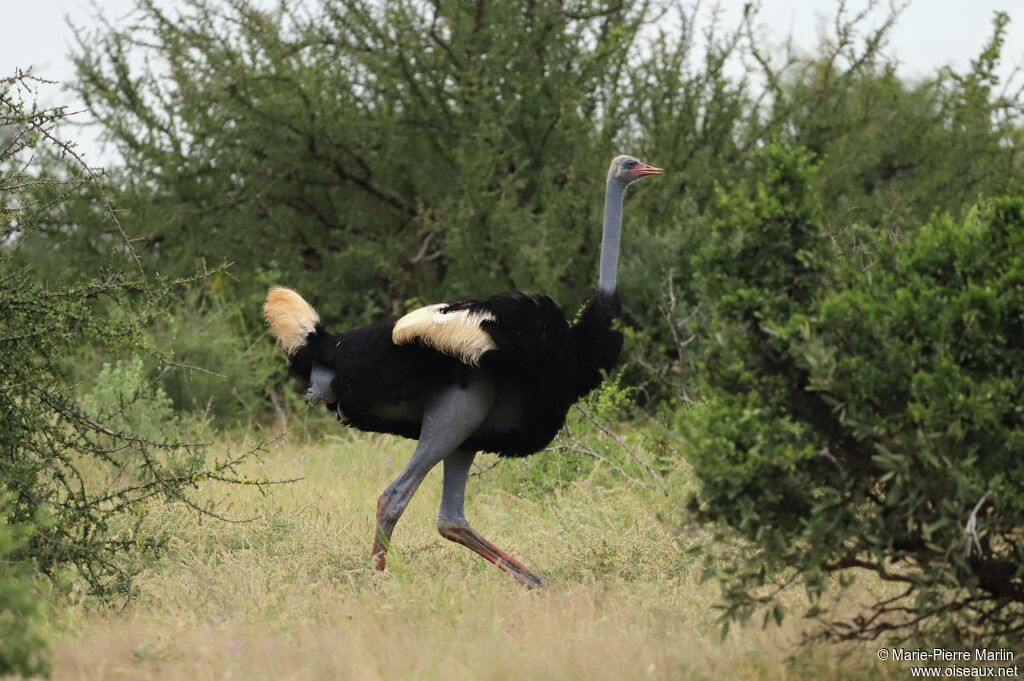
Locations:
(626, 169)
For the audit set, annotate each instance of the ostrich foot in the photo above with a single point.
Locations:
(379, 555)
(464, 534)
(382, 537)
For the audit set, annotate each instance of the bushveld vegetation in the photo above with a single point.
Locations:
(820, 407)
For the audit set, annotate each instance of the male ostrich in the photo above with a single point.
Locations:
(495, 375)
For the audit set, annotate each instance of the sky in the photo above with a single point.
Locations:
(930, 34)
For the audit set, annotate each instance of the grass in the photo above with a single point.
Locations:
(291, 594)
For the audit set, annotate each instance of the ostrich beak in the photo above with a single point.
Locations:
(645, 169)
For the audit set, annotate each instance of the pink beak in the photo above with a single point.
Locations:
(645, 169)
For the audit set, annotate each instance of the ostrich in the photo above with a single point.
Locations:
(495, 375)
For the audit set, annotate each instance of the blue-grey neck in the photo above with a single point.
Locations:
(614, 194)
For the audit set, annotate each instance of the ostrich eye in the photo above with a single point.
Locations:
(631, 164)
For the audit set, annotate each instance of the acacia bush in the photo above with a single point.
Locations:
(865, 419)
(76, 472)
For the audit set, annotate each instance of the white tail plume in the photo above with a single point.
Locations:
(290, 318)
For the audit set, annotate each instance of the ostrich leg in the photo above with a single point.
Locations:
(449, 418)
(452, 524)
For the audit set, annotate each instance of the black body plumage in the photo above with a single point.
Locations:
(540, 367)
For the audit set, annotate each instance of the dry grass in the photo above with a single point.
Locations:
(291, 595)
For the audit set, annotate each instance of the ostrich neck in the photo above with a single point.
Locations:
(612, 232)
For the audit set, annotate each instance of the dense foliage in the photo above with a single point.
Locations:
(379, 155)
(866, 418)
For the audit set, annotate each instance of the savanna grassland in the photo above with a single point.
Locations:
(291, 593)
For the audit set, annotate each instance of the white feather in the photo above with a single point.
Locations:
(457, 334)
(290, 318)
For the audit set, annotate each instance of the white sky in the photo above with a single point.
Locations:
(930, 33)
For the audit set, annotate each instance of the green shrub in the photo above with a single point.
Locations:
(595, 444)
(227, 364)
(866, 419)
(125, 401)
(22, 645)
(69, 468)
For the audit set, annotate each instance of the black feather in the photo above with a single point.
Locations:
(540, 361)
(598, 342)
